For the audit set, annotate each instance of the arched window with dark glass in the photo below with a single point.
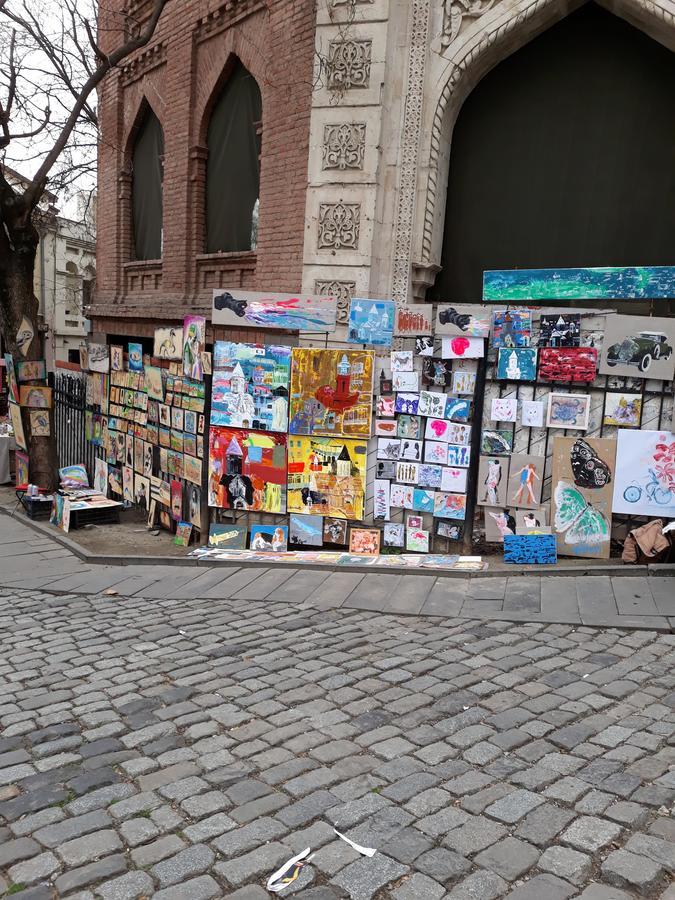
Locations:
(146, 188)
(233, 165)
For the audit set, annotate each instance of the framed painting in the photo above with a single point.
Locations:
(31, 370)
(645, 474)
(364, 541)
(247, 470)
(327, 477)
(40, 425)
(331, 392)
(526, 478)
(511, 328)
(568, 411)
(517, 363)
(639, 346)
(413, 319)
(560, 330)
(623, 410)
(288, 312)
(371, 322)
(565, 365)
(250, 386)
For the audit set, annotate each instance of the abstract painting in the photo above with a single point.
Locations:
(306, 530)
(228, 537)
(335, 531)
(449, 531)
(423, 500)
(21, 465)
(405, 381)
(454, 480)
(371, 322)
(385, 427)
(640, 346)
(401, 496)
(568, 411)
(385, 406)
(394, 535)
(364, 541)
(269, 538)
(457, 410)
(250, 386)
(168, 343)
(532, 413)
(498, 523)
(409, 426)
(437, 373)
(430, 476)
(31, 370)
(432, 403)
(449, 506)
(623, 410)
(511, 328)
(644, 482)
(497, 441)
(331, 392)
(530, 549)
(98, 358)
(417, 540)
(526, 478)
(407, 403)
(611, 283)
(135, 353)
(493, 476)
(463, 320)
(17, 426)
(288, 312)
(504, 409)
(194, 341)
(581, 485)
(567, 365)
(517, 363)
(531, 518)
(560, 330)
(462, 348)
(413, 319)
(247, 470)
(463, 382)
(327, 476)
(381, 489)
(436, 452)
(459, 455)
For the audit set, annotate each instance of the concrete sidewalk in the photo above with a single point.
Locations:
(32, 559)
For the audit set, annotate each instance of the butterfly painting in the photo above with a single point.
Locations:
(580, 523)
(589, 470)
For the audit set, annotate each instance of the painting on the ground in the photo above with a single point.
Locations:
(247, 470)
(364, 541)
(560, 330)
(530, 549)
(250, 386)
(610, 283)
(511, 328)
(194, 341)
(288, 312)
(639, 346)
(568, 365)
(581, 487)
(335, 531)
(526, 477)
(568, 411)
(327, 477)
(227, 537)
(306, 531)
(623, 410)
(644, 482)
(517, 363)
(331, 392)
(497, 441)
(269, 538)
(463, 320)
(498, 523)
(493, 477)
(371, 322)
(413, 319)
(168, 343)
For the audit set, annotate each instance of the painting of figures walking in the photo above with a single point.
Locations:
(250, 386)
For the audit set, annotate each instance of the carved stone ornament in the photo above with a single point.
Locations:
(344, 145)
(343, 291)
(339, 226)
(348, 64)
(454, 13)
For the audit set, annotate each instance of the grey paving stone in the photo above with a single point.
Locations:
(185, 864)
(566, 863)
(14, 851)
(131, 886)
(365, 877)
(653, 848)
(543, 824)
(634, 597)
(250, 836)
(91, 874)
(202, 888)
(590, 833)
(149, 854)
(444, 599)
(513, 807)
(548, 886)
(419, 886)
(264, 859)
(634, 872)
(36, 869)
(596, 599)
(480, 885)
(475, 835)
(54, 835)
(597, 891)
(90, 847)
(509, 858)
(335, 591)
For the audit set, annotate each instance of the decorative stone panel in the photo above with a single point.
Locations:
(343, 291)
(348, 64)
(344, 145)
(339, 226)
(454, 13)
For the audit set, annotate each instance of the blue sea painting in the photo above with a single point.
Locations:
(371, 322)
(457, 410)
(423, 501)
(604, 283)
(517, 363)
(306, 531)
(530, 549)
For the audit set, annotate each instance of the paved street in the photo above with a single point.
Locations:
(183, 748)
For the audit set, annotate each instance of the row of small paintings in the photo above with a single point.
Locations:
(622, 409)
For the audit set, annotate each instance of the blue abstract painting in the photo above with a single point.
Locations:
(530, 549)
(371, 322)
(517, 363)
(457, 410)
(607, 282)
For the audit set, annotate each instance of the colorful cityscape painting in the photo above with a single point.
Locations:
(250, 386)
(371, 322)
(247, 470)
(327, 477)
(331, 392)
(609, 282)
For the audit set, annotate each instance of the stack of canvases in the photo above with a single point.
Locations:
(591, 476)
(149, 421)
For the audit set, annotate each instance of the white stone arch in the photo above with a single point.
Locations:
(486, 39)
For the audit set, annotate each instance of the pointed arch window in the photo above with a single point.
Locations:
(233, 165)
(146, 188)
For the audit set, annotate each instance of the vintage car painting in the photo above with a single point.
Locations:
(640, 350)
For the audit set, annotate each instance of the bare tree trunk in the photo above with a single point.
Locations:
(18, 305)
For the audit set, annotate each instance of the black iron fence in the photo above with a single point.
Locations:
(69, 422)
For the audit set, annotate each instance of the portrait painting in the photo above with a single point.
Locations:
(194, 341)
(334, 531)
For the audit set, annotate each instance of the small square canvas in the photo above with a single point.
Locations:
(168, 343)
(401, 361)
(623, 410)
(424, 346)
(406, 403)
(386, 428)
(335, 531)
(463, 382)
(411, 450)
(430, 476)
(504, 409)
(436, 452)
(306, 530)
(432, 403)
(568, 411)
(498, 523)
(371, 322)
(394, 535)
(511, 328)
(385, 405)
(437, 373)
(532, 413)
(560, 330)
(269, 537)
(388, 448)
(413, 319)
(457, 410)
(405, 381)
(409, 426)
(449, 530)
(401, 496)
(517, 363)
(459, 455)
(450, 506)
(423, 500)
(364, 541)
(407, 472)
(228, 537)
(497, 441)
(417, 540)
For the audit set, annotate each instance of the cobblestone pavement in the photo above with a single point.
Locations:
(184, 748)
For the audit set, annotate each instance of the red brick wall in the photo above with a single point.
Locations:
(179, 74)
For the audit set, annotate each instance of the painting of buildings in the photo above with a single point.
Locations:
(250, 386)
(247, 470)
(326, 477)
(371, 322)
(331, 392)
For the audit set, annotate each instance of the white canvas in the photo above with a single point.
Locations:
(454, 480)
(532, 413)
(644, 480)
(462, 348)
(504, 409)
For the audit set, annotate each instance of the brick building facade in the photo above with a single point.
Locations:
(179, 77)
